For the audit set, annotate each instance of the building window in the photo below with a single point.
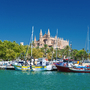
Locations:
(38, 44)
(45, 40)
(50, 46)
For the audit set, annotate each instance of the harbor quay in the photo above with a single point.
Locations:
(41, 63)
(6, 65)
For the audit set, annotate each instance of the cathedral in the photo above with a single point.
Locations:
(50, 41)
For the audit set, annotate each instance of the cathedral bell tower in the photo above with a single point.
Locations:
(40, 33)
(35, 39)
(48, 33)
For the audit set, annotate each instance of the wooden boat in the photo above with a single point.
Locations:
(23, 68)
(41, 66)
(80, 70)
(63, 68)
(72, 68)
(32, 68)
(64, 65)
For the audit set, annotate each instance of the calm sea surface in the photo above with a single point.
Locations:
(46, 80)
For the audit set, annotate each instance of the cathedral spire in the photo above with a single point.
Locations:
(48, 32)
(41, 32)
(35, 39)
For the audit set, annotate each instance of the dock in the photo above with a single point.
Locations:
(7, 68)
(10, 68)
(2, 67)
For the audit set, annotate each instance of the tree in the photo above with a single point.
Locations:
(52, 50)
(74, 54)
(37, 53)
(42, 49)
(10, 54)
(45, 47)
(10, 50)
(67, 51)
(62, 52)
(80, 54)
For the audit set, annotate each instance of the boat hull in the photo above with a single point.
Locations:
(68, 69)
(79, 70)
(39, 68)
(62, 68)
(22, 68)
(34, 68)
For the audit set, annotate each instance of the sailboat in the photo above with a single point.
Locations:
(21, 66)
(85, 68)
(42, 65)
(67, 67)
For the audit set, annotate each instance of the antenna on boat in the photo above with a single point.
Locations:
(56, 44)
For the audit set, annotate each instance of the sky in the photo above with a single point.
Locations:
(70, 17)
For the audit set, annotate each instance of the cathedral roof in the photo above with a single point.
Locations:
(45, 36)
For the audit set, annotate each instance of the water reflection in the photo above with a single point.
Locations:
(45, 80)
(34, 72)
(42, 72)
(71, 73)
(49, 73)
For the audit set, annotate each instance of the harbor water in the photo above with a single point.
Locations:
(46, 80)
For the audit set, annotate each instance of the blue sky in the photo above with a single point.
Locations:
(70, 17)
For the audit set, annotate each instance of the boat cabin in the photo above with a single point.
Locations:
(42, 62)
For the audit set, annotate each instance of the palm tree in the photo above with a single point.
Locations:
(85, 55)
(42, 49)
(67, 48)
(33, 44)
(45, 47)
(52, 50)
(80, 54)
(62, 53)
(74, 54)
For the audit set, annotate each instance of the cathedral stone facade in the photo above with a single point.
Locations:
(50, 41)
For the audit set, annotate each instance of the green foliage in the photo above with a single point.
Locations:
(11, 50)
(74, 54)
(45, 47)
(81, 54)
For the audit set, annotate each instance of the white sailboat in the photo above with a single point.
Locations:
(41, 66)
(23, 67)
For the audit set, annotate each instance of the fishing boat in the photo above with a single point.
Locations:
(71, 67)
(42, 65)
(64, 65)
(84, 69)
(24, 65)
(22, 68)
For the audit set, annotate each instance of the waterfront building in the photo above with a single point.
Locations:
(50, 41)
(22, 43)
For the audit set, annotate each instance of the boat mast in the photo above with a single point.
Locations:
(88, 42)
(32, 39)
(56, 44)
(71, 49)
